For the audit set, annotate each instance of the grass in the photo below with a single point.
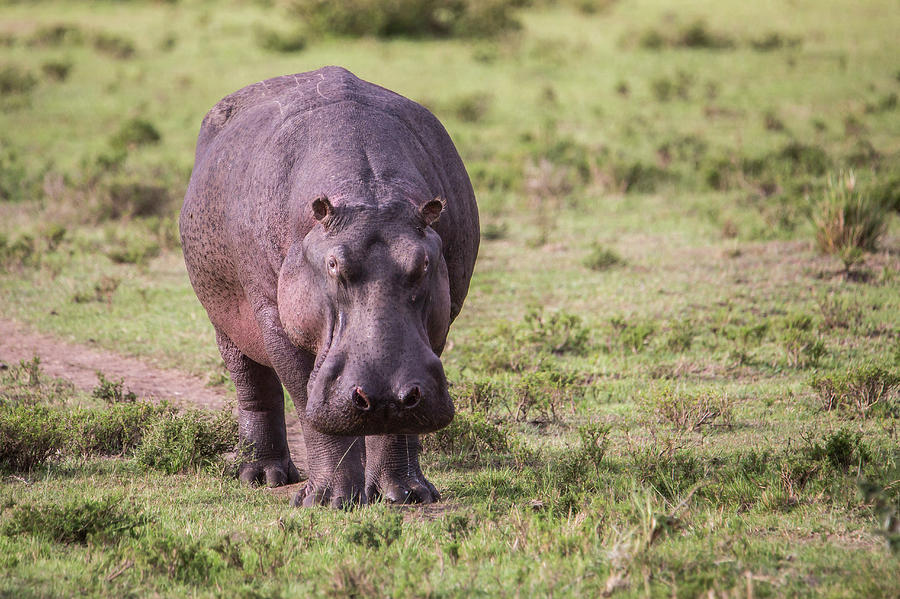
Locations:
(664, 388)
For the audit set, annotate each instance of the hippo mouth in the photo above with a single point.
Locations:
(343, 400)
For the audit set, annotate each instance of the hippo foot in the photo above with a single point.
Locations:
(274, 472)
(337, 497)
(406, 489)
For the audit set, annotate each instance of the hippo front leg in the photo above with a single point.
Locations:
(393, 472)
(260, 418)
(336, 471)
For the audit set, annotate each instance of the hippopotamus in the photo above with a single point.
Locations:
(330, 231)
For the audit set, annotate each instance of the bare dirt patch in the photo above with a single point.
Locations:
(79, 364)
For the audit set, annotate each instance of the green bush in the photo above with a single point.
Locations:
(115, 430)
(409, 18)
(633, 336)
(58, 34)
(15, 80)
(557, 332)
(689, 410)
(56, 70)
(860, 389)
(112, 392)
(177, 443)
(135, 132)
(81, 521)
(468, 437)
(114, 45)
(280, 41)
(602, 258)
(29, 436)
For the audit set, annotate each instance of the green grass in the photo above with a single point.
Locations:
(644, 361)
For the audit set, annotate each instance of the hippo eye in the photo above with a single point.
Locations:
(425, 265)
(332, 265)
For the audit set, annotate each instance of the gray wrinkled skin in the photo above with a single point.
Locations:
(330, 231)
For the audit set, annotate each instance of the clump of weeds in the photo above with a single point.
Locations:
(103, 290)
(848, 222)
(81, 521)
(602, 257)
(112, 391)
(690, 410)
(633, 336)
(29, 436)
(275, 40)
(190, 441)
(802, 347)
(858, 390)
(468, 437)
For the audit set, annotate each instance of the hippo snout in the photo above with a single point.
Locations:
(407, 399)
(353, 404)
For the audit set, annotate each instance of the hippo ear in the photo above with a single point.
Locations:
(323, 211)
(431, 211)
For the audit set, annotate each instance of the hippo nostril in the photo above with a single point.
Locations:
(411, 398)
(360, 400)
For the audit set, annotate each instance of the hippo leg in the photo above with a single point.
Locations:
(393, 472)
(336, 473)
(334, 464)
(260, 418)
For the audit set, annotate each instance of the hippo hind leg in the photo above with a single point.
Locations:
(260, 418)
(393, 472)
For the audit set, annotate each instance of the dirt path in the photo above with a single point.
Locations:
(79, 364)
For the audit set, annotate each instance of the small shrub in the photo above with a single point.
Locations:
(467, 437)
(411, 18)
(694, 35)
(558, 332)
(802, 346)
(602, 258)
(114, 45)
(14, 180)
(280, 41)
(184, 442)
(634, 336)
(638, 177)
(135, 132)
(493, 231)
(80, 521)
(123, 198)
(58, 34)
(134, 251)
(472, 107)
(841, 449)
(543, 391)
(112, 391)
(29, 436)
(859, 389)
(840, 312)
(112, 431)
(15, 80)
(691, 410)
(56, 70)
(681, 335)
(698, 35)
(102, 291)
(477, 396)
(848, 221)
(772, 122)
(775, 41)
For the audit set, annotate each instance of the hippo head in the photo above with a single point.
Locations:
(367, 290)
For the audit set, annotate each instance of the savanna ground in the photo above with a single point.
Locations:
(676, 370)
